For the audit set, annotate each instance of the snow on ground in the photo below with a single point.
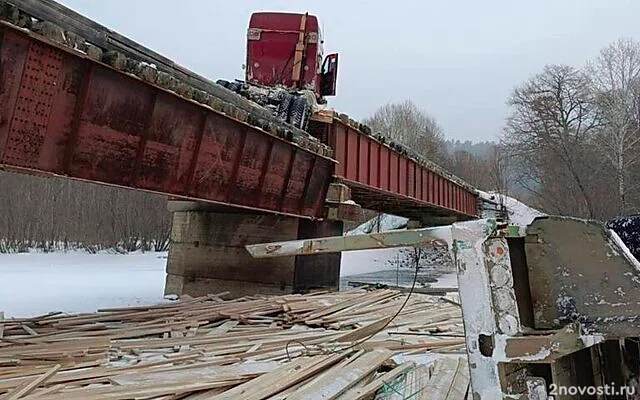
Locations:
(76, 281)
(364, 261)
(519, 213)
(387, 223)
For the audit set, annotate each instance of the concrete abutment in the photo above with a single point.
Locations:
(207, 253)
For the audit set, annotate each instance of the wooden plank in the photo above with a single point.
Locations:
(339, 379)
(442, 382)
(21, 391)
(370, 389)
(273, 383)
(198, 347)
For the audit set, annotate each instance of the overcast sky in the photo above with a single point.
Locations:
(456, 59)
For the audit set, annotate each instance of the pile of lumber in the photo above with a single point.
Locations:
(342, 345)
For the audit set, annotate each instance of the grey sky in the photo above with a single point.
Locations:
(456, 59)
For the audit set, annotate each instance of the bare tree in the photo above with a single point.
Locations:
(498, 170)
(406, 123)
(60, 213)
(552, 122)
(615, 76)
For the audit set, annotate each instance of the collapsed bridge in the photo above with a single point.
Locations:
(80, 101)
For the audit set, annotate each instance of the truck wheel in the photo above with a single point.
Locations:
(284, 107)
(234, 87)
(300, 112)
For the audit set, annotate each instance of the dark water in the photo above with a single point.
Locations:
(401, 277)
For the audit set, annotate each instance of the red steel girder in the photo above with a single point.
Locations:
(386, 180)
(62, 113)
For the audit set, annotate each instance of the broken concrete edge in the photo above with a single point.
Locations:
(493, 331)
(547, 348)
(213, 96)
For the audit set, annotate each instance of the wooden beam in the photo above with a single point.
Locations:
(426, 237)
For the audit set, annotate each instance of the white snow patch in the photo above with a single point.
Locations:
(76, 281)
(519, 213)
(625, 250)
(363, 261)
(146, 64)
(591, 340)
(387, 222)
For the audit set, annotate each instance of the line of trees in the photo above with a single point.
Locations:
(485, 167)
(571, 142)
(574, 134)
(53, 214)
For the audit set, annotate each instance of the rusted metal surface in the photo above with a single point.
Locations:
(62, 113)
(382, 178)
(578, 272)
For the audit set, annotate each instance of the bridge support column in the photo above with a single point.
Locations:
(320, 271)
(207, 253)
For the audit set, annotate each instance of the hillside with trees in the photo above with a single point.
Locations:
(575, 134)
(55, 213)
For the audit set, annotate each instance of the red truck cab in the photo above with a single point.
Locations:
(285, 49)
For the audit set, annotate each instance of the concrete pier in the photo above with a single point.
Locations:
(207, 253)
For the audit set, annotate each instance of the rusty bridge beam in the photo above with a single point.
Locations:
(65, 114)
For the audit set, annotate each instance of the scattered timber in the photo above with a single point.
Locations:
(340, 345)
(435, 291)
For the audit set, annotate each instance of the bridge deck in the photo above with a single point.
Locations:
(384, 179)
(62, 113)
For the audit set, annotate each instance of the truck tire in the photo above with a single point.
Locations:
(284, 107)
(300, 112)
(234, 87)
